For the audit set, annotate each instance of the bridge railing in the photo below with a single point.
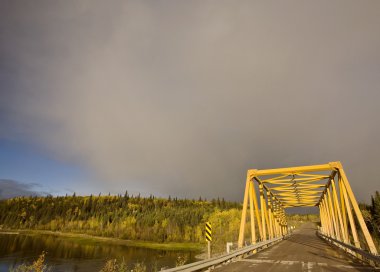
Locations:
(209, 263)
(358, 253)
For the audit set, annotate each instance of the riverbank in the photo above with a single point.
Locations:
(80, 237)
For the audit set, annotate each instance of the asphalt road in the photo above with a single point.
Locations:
(303, 251)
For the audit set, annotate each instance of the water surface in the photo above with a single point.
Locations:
(80, 254)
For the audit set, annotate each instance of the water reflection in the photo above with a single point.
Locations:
(79, 254)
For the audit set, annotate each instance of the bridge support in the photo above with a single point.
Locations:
(327, 188)
(270, 218)
(335, 213)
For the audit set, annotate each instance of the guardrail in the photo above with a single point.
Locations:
(358, 253)
(209, 263)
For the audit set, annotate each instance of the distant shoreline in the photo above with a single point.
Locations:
(9, 232)
(92, 238)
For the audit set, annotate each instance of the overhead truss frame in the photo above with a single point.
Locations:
(325, 186)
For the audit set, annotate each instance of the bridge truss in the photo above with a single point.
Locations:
(325, 186)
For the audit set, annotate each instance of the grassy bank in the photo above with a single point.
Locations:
(85, 238)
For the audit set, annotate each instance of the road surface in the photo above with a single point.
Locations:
(303, 251)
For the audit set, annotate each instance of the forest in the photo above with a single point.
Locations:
(126, 217)
(143, 218)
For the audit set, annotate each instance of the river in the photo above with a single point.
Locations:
(78, 254)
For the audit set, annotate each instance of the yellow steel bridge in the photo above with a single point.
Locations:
(325, 186)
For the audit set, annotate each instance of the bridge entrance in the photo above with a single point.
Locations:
(325, 186)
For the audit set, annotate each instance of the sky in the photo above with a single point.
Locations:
(181, 98)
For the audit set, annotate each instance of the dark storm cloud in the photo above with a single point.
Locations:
(12, 188)
(182, 98)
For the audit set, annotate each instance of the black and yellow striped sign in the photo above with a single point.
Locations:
(208, 232)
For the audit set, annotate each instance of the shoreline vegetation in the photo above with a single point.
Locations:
(151, 222)
(90, 238)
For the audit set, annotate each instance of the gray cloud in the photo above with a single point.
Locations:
(12, 188)
(182, 98)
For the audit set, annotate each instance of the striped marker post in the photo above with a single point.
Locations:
(208, 235)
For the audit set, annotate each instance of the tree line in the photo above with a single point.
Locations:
(123, 216)
(142, 218)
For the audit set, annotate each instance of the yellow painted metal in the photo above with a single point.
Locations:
(343, 209)
(327, 229)
(303, 186)
(251, 210)
(332, 214)
(322, 222)
(323, 219)
(263, 209)
(244, 213)
(294, 170)
(358, 213)
(271, 232)
(338, 213)
(350, 217)
(275, 219)
(328, 216)
(257, 211)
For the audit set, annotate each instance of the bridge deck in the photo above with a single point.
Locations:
(303, 251)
